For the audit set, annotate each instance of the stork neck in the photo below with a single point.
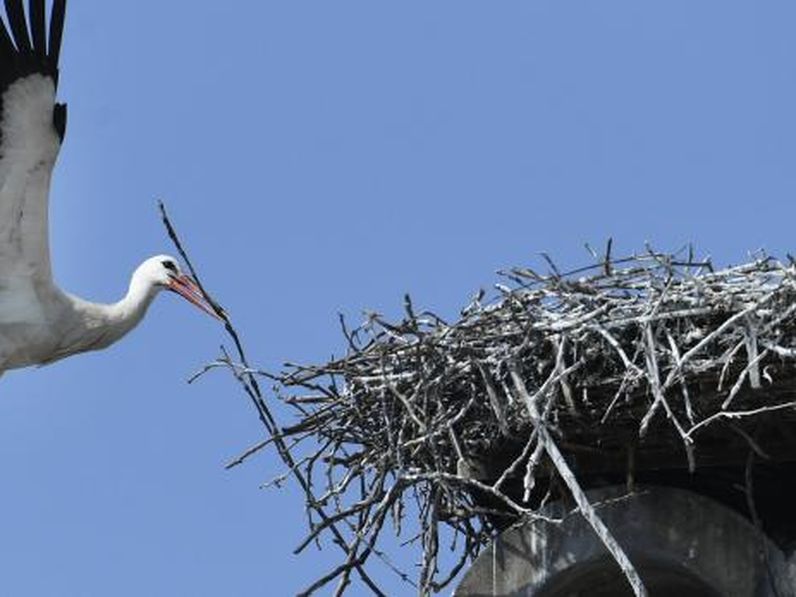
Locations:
(99, 325)
(126, 313)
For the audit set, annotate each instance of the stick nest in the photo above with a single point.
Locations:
(461, 424)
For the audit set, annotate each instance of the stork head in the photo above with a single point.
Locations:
(163, 272)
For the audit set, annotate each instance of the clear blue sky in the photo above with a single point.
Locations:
(329, 156)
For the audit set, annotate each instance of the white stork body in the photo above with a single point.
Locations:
(39, 323)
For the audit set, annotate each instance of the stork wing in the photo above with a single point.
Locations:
(32, 127)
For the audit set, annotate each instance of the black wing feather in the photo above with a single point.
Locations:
(56, 31)
(7, 49)
(16, 18)
(38, 28)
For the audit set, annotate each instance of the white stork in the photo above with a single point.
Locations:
(39, 322)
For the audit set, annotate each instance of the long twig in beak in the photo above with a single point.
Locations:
(219, 310)
(255, 393)
(252, 389)
(175, 239)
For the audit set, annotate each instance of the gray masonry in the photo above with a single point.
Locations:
(682, 543)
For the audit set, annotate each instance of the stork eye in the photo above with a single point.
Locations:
(169, 265)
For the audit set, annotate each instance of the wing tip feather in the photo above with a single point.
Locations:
(57, 17)
(38, 27)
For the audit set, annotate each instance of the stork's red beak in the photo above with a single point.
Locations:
(186, 287)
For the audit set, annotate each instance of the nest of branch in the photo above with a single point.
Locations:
(466, 423)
